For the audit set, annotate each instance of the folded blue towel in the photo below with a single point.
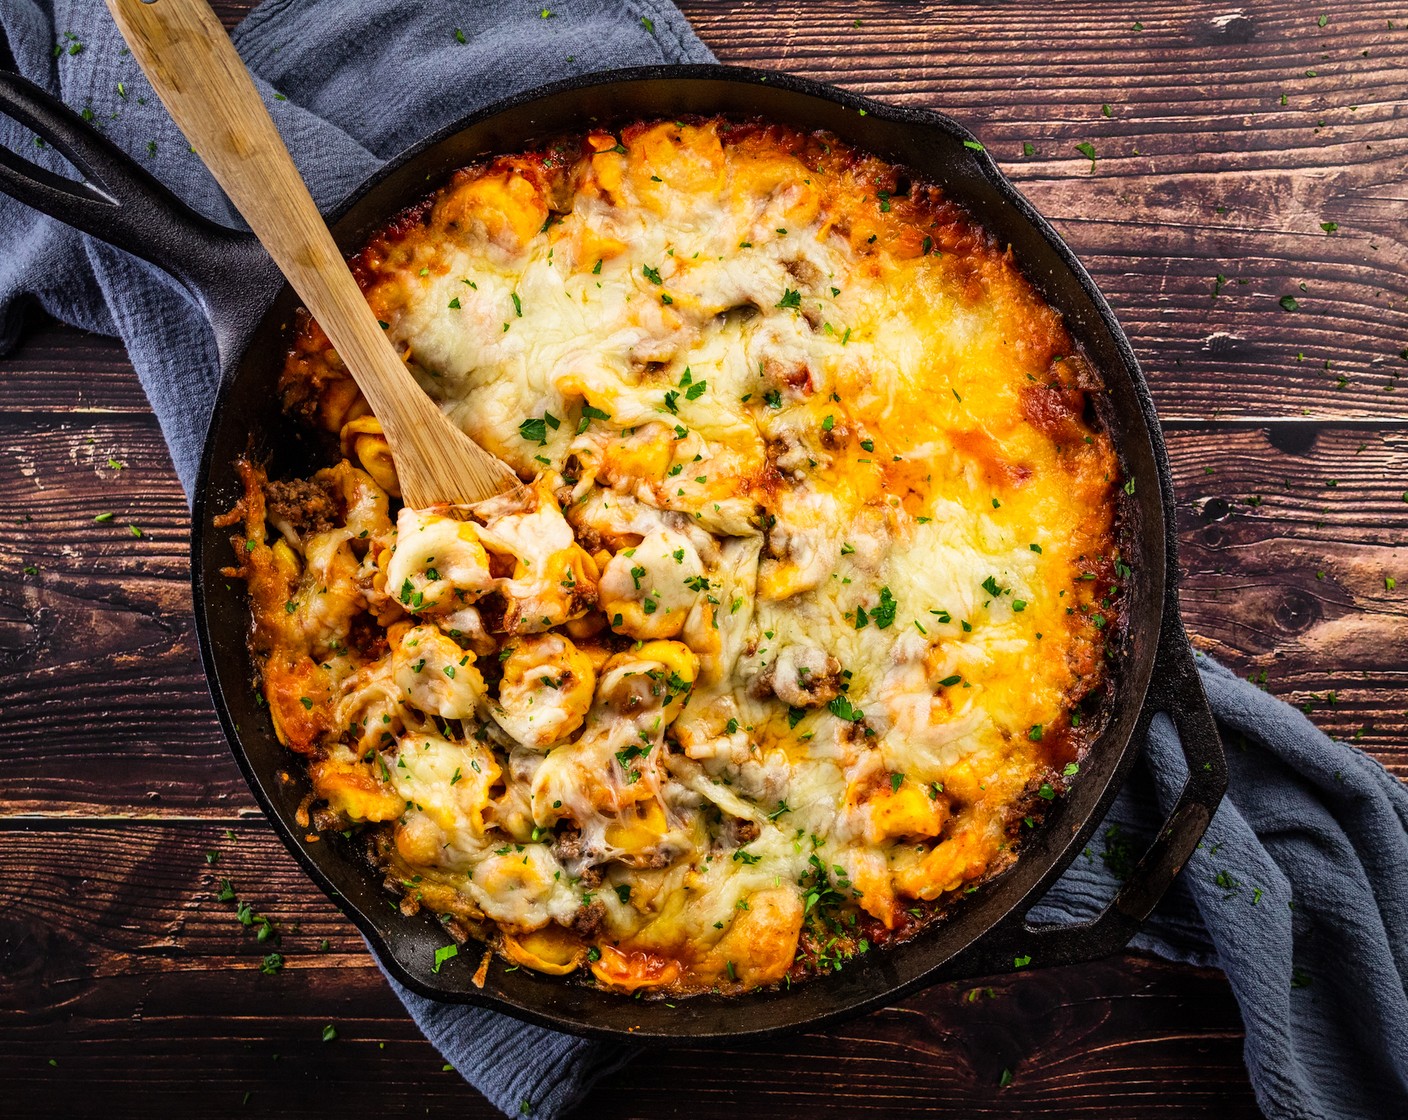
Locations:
(1300, 889)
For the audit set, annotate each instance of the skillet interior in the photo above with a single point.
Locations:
(248, 411)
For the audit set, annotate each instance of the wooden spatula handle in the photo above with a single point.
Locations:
(202, 81)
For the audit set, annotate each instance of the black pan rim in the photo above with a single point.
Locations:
(923, 118)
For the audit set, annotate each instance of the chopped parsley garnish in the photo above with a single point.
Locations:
(651, 274)
(588, 415)
(535, 430)
(443, 954)
(842, 708)
(627, 756)
(790, 298)
(883, 612)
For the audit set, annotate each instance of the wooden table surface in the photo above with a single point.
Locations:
(1244, 153)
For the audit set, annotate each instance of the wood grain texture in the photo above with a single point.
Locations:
(124, 968)
(121, 966)
(1201, 171)
(109, 613)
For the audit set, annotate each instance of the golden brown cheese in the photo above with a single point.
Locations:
(797, 622)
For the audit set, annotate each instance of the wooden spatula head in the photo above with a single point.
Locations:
(191, 63)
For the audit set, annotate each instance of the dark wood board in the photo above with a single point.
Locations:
(124, 969)
(1291, 475)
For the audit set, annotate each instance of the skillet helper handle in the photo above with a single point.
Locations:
(194, 68)
(1176, 690)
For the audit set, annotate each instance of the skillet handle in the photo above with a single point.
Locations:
(122, 204)
(1176, 690)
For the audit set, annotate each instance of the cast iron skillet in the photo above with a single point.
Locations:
(234, 281)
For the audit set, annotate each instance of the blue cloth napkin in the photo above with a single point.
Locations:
(1300, 889)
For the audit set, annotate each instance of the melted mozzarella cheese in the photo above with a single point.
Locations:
(802, 605)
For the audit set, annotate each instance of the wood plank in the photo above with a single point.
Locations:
(108, 614)
(1228, 181)
(97, 641)
(1274, 589)
(124, 969)
(58, 369)
(1202, 171)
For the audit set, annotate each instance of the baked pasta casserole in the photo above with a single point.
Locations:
(802, 614)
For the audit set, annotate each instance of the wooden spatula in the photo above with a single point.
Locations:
(191, 63)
